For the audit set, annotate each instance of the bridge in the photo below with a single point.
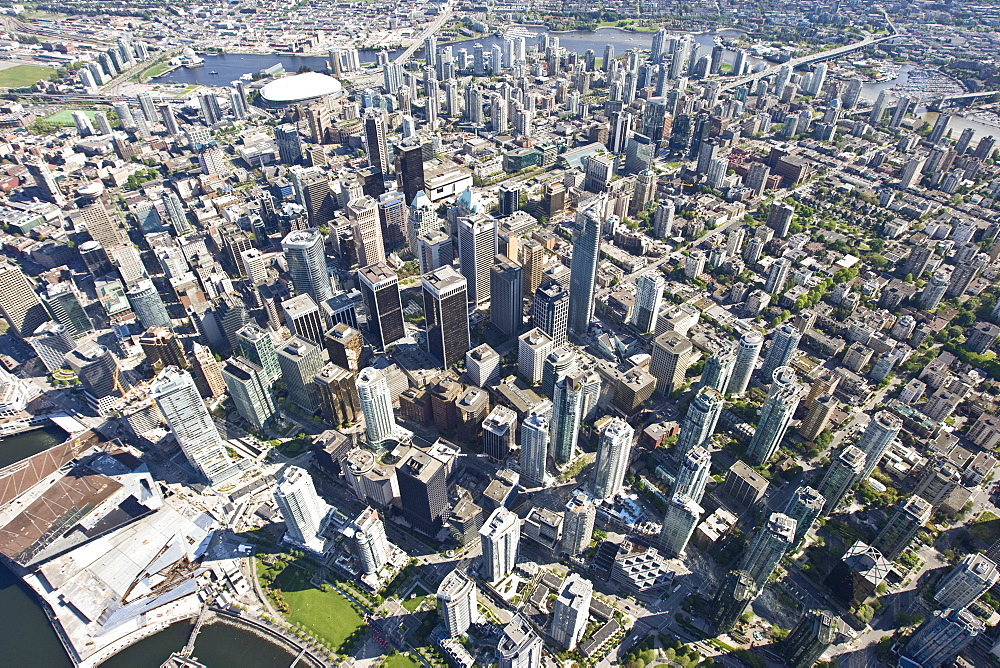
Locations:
(937, 104)
(418, 41)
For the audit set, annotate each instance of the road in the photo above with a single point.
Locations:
(446, 12)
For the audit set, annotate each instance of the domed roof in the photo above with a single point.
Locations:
(297, 87)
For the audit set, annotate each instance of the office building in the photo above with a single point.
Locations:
(550, 311)
(380, 291)
(446, 311)
(648, 298)
(578, 524)
(567, 402)
(583, 266)
(679, 521)
(532, 349)
(366, 227)
(376, 406)
(719, 368)
(557, 365)
(941, 637)
(613, 454)
(813, 635)
(456, 603)
(939, 480)
(534, 450)
(841, 475)
(699, 422)
(375, 132)
(506, 295)
(423, 489)
(818, 417)
(769, 544)
(98, 371)
(300, 360)
(343, 346)
(52, 342)
(499, 428)
(337, 395)
(881, 431)
(693, 473)
(303, 317)
(519, 645)
(736, 591)
(370, 542)
(500, 536)
(746, 361)
(784, 345)
(256, 345)
(250, 390)
(19, 305)
(410, 170)
(304, 511)
(911, 515)
(306, 258)
(185, 413)
(775, 416)
(482, 365)
(804, 506)
(477, 248)
(672, 355)
(967, 581)
(571, 611)
(147, 305)
(434, 249)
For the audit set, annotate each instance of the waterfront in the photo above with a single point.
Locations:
(20, 446)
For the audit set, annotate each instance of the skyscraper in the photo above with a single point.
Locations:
(307, 264)
(967, 581)
(815, 632)
(534, 449)
(746, 360)
(672, 354)
(769, 544)
(719, 368)
(784, 344)
(881, 431)
(410, 170)
(147, 305)
(303, 509)
(257, 346)
(477, 247)
(735, 593)
(804, 506)
(519, 645)
(943, 636)
(250, 391)
(550, 311)
(456, 603)
(64, 306)
(693, 473)
(648, 297)
(376, 405)
(557, 365)
(380, 291)
(378, 150)
(578, 524)
(897, 534)
(302, 315)
(176, 396)
(300, 360)
(566, 404)
(775, 416)
(506, 295)
(19, 305)
(532, 348)
(840, 477)
(370, 542)
(498, 433)
(571, 611)
(583, 267)
(612, 458)
(699, 422)
(500, 536)
(369, 246)
(423, 489)
(777, 277)
(446, 310)
(679, 522)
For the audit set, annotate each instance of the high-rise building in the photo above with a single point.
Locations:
(147, 304)
(550, 311)
(578, 524)
(250, 391)
(935, 290)
(571, 611)
(784, 344)
(813, 635)
(699, 422)
(679, 522)
(257, 346)
(777, 277)
(456, 602)
(312, 191)
(746, 360)
(446, 310)
(380, 291)
(967, 581)
(306, 257)
(289, 144)
(423, 489)
(939, 480)
(304, 511)
(500, 536)
(519, 645)
(840, 477)
(185, 413)
(939, 639)
(775, 416)
(375, 132)
(532, 349)
(477, 247)
(612, 458)
(19, 305)
(506, 295)
(881, 431)
(648, 297)
(693, 474)
(64, 306)
(779, 218)
(366, 226)
(370, 542)
(376, 405)
(51, 342)
(434, 249)
(45, 182)
(410, 170)
(302, 315)
(897, 534)
(735, 593)
(769, 544)
(719, 368)
(300, 360)
(337, 394)
(482, 365)
(583, 266)
(672, 355)
(567, 402)
(100, 375)
(534, 449)
(498, 433)
(804, 506)
(818, 417)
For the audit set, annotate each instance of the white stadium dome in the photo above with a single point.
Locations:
(300, 87)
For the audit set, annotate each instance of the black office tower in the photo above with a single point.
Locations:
(380, 290)
(446, 310)
(423, 489)
(410, 170)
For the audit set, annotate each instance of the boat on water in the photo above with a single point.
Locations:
(213, 72)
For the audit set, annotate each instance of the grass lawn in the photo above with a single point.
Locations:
(326, 615)
(987, 528)
(21, 76)
(64, 118)
(397, 660)
(417, 596)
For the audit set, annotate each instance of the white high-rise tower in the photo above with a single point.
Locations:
(612, 458)
(304, 511)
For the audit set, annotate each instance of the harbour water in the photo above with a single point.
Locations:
(19, 446)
